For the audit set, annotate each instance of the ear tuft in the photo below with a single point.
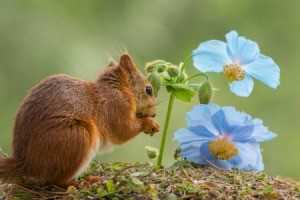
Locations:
(113, 63)
(127, 63)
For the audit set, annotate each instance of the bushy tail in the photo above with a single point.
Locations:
(8, 169)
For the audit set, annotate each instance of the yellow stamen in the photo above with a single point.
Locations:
(233, 72)
(222, 149)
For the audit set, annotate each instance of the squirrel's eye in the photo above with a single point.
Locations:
(149, 90)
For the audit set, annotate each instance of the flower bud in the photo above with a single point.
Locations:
(152, 152)
(173, 71)
(160, 68)
(205, 93)
(150, 66)
(154, 79)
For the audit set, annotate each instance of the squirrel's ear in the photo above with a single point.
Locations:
(127, 63)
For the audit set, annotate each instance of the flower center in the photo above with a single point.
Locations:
(222, 149)
(233, 72)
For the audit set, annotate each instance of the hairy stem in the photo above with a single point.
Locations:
(166, 127)
(185, 63)
(195, 75)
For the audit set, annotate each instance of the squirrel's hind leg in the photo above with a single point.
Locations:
(64, 151)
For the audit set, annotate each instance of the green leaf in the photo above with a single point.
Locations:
(155, 167)
(110, 186)
(183, 96)
(101, 192)
(87, 192)
(180, 86)
(269, 188)
(194, 86)
(171, 197)
(187, 183)
(118, 166)
(136, 163)
(136, 181)
(182, 91)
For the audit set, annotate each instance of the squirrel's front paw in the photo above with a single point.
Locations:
(149, 126)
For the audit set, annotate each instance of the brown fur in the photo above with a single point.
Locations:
(63, 118)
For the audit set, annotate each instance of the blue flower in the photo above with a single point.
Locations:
(223, 136)
(240, 60)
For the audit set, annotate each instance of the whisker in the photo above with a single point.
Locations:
(160, 100)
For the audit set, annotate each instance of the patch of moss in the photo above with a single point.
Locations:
(183, 180)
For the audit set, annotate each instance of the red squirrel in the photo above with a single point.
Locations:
(64, 121)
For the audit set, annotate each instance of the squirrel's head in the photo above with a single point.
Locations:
(139, 87)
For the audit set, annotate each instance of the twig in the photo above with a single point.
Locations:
(49, 186)
(215, 166)
(100, 170)
(56, 193)
(29, 190)
(282, 196)
(187, 197)
(125, 168)
(187, 175)
(46, 198)
(42, 191)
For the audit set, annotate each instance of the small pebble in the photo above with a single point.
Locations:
(71, 190)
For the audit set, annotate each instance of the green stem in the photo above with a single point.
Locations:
(185, 63)
(166, 127)
(195, 75)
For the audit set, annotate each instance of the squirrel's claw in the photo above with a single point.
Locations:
(150, 126)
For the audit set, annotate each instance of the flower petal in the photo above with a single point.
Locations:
(240, 133)
(241, 50)
(210, 56)
(191, 150)
(242, 88)
(220, 122)
(185, 135)
(203, 132)
(201, 115)
(261, 132)
(249, 157)
(265, 70)
(234, 125)
(237, 118)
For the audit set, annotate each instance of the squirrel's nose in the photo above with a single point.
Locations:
(153, 115)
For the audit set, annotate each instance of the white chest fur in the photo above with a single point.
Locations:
(99, 147)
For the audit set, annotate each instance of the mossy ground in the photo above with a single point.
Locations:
(145, 181)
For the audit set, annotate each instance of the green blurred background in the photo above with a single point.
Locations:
(42, 38)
